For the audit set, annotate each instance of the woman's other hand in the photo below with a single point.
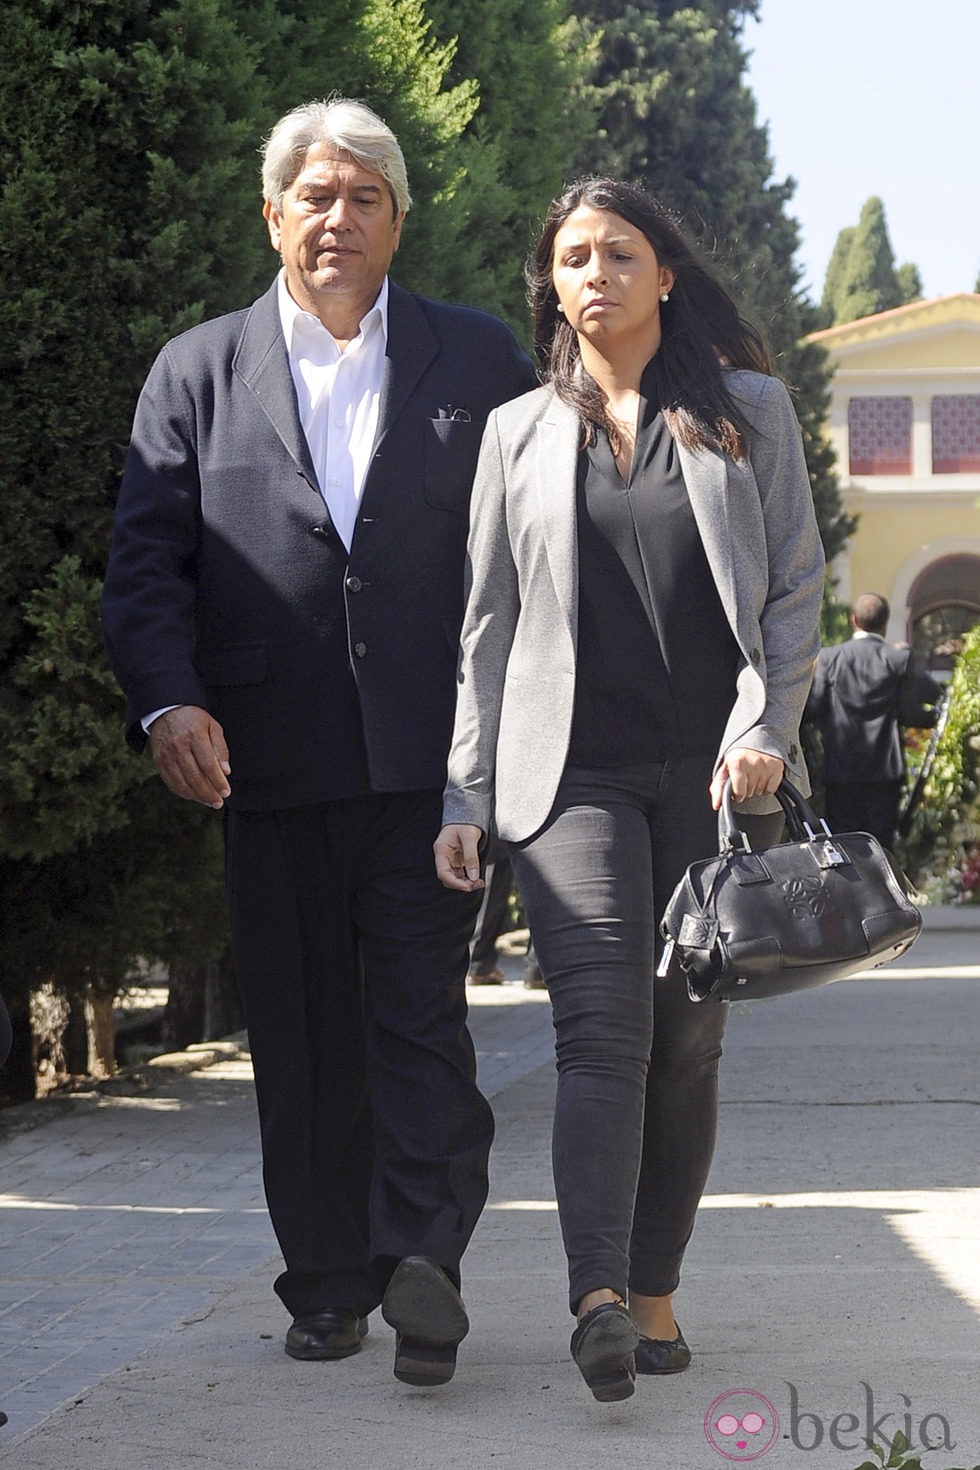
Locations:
(458, 856)
(752, 773)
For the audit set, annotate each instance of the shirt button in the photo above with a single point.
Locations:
(360, 649)
(353, 584)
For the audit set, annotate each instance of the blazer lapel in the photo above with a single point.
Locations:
(555, 475)
(262, 363)
(411, 347)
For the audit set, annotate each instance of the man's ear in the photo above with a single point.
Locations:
(272, 220)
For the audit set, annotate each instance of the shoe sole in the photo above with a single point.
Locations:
(322, 1355)
(429, 1319)
(605, 1358)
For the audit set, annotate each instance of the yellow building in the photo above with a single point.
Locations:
(905, 423)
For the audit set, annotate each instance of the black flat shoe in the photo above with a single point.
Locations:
(603, 1345)
(430, 1321)
(332, 1333)
(654, 1355)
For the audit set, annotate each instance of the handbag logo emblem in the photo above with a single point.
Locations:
(697, 932)
(806, 898)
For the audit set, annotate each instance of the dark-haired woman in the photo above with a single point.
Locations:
(644, 582)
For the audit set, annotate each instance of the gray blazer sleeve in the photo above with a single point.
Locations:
(790, 611)
(492, 609)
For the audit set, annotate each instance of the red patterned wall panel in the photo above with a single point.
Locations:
(880, 434)
(956, 434)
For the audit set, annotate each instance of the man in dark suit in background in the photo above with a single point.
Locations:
(863, 692)
(282, 609)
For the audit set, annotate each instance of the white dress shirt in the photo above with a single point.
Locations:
(339, 396)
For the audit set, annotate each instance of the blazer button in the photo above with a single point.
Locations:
(360, 649)
(323, 532)
(756, 657)
(794, 753)
(353, 584)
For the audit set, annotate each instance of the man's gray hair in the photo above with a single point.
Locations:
(343, 124)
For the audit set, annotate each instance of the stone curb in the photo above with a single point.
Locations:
(129, 1081)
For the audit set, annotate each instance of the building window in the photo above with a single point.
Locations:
(880, 434)
(956, 434)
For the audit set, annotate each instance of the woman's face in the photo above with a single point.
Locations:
(608, 278)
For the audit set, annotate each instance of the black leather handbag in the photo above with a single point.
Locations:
(748, 925)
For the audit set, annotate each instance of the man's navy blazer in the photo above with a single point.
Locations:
(863, 691)
(229, 588)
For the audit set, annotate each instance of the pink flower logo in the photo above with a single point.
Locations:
(741, 1424)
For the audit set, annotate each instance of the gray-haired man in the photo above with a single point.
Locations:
(282, 608)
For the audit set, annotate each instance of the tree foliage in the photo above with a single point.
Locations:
(131, 209)
(945, 829)
(861, 277)
(676, 114)
(528, 59)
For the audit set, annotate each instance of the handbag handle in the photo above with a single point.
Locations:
(803, 822)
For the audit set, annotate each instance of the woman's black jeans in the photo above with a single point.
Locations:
(637, 1102)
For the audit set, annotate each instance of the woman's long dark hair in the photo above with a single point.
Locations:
(701, 326)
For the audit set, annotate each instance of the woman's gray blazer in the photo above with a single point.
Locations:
(516, 679)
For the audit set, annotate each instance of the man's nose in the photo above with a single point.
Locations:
(338, 215)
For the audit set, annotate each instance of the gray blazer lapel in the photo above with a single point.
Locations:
(555, 476)
(262, 363)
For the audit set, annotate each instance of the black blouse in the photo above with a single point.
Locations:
(656, 661)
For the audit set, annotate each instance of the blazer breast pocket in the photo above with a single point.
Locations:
(452, 447)
(232, 663)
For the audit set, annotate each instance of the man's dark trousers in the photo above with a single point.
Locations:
(351, 957)
(864, 806)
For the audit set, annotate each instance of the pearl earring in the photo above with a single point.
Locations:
(560, 308)
(665, 295)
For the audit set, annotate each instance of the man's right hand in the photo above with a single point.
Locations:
(191, 755)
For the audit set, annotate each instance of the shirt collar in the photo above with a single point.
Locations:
(863, 633)
(295, 321)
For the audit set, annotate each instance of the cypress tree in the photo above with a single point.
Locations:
(909, 282)
(868, 282)
(676, 114)
(130, 210)
(527, 59)
(836, 268)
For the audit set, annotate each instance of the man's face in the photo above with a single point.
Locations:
(337, 233)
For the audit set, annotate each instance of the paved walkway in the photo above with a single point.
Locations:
(834, 1272)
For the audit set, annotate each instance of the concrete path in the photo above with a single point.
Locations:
(833, 1280)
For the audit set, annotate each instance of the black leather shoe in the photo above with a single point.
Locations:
(430, 1321)
(603, 1345)
(332, 1333)
(653, 1355)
